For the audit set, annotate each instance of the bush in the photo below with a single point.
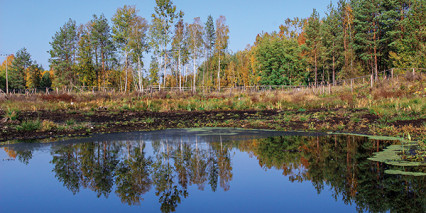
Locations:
(30, 125)
(47, 125)
(11, 114)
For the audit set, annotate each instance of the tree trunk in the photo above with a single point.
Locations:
(205, 68)
(218, 74)
(103, 68)
(98, 78)
(334, 72)
(316, 69)
(159, 73)
(7, 78)
(194, 73)
(180, 74)
(125, 68)
(165, 65)
(375, 52)
(140, 75)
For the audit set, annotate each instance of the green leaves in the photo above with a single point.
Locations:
(279, 60)
(62, 54)
(18, 69)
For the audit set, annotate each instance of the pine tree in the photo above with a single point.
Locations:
(18, 69)
(86, 68)
(408, 46)
(102, 45)
(330, 29)
(63, 54)
(313, 41)
(367, 37)
(46, 80)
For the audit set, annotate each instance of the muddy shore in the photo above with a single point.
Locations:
(77, 123)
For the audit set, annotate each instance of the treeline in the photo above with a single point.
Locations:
(23, 72)
(353, 38)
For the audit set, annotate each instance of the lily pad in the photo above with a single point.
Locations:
(399, 172)
(391, 156)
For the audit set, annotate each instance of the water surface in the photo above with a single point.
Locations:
(204, 170)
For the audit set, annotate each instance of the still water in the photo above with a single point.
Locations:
(204, 170)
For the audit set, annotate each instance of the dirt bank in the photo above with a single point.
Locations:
(73, 123)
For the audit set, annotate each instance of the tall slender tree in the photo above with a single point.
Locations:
(195, 44)
(313, 41)
(139, 45)
(346, 35)
(63, 54)
(330, 40)
(86, 71)
(129, 35)
(179, 47)
(103, 46)
(209, 42)
(221, 43)
(367, 27)
(163, 18)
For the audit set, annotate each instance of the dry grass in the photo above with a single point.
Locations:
(383, 94)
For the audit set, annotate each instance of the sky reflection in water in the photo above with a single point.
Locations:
(208, 170)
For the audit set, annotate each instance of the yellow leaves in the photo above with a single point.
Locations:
(9, 61)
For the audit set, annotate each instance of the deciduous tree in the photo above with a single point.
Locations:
(221, 43)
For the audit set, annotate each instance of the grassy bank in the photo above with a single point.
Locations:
(391, 107)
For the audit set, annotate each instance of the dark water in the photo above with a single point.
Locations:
(218, 170)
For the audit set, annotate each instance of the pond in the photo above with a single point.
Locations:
(204, 170)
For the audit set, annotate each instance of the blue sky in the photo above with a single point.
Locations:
(32, 23)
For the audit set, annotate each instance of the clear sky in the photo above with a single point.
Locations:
(32, 23)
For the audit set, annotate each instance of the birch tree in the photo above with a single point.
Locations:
(129, 32)
(222, 37)
(195, 44)
(163, 18)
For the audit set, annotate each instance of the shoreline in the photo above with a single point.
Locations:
(61, 123)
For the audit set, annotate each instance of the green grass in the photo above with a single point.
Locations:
(70, 122)
(11, 114)
(30, 125)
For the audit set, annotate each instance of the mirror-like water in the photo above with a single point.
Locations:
(204, 170)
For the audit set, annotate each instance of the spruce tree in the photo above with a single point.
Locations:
(18, 69)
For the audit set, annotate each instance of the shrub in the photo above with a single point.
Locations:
(11, 114)
(70, 122)
(47, 125)
(30, 125)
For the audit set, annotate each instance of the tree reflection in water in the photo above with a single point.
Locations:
(170, 167)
